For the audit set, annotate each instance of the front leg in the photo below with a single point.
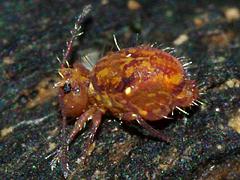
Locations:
(64, 148)
(61, 153)
(96, 120)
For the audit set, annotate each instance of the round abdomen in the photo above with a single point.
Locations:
(142, 80)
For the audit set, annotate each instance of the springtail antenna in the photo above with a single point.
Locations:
(75, 32)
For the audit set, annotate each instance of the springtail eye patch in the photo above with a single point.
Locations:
(67, 88)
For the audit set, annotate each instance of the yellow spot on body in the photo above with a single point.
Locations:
(98, 98)
(109, 103)
(175, 79)
(6, 131)
(128, 90)
(107, 100)
(142, 112)
(129, 71)
(148, 53)
(146, 64)
(151, 95)
(103, 72)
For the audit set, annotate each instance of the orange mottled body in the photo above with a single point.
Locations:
(139, 83)
(141, 80)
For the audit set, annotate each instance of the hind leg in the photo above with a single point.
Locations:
(129, 117)
(151, 130)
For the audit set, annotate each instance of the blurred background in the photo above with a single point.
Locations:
(205, 144)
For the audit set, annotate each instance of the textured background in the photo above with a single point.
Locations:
(206, 144)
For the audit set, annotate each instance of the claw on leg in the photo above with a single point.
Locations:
(59, 158)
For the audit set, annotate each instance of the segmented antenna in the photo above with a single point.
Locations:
(75, 32)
